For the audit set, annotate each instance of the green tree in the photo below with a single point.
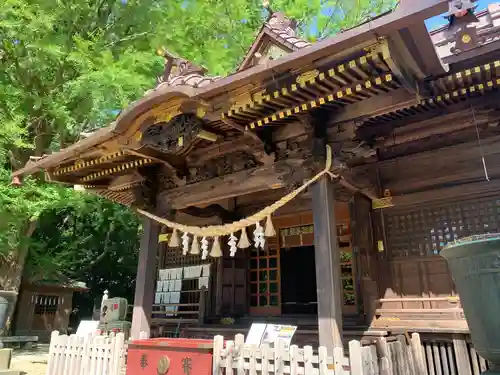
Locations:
(66, 66)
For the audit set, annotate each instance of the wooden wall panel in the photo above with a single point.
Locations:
(414, 236)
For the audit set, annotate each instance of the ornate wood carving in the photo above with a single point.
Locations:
(233, 185)
(298, 165)
(144, 196)
(293, 173)
(294, 148)
(173, 136)
(222, 166)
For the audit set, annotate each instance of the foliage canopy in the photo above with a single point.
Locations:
(66, 66)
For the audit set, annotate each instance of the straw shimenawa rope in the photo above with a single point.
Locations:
(227, 229)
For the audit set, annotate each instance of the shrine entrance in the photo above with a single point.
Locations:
(298, 281)
(283, 276)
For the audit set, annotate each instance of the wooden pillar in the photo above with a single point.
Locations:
(219, 266)
(328, 274)
(145, 280)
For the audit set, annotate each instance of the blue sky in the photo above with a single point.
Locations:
(435, 22)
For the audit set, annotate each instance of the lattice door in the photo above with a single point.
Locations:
(424, 231)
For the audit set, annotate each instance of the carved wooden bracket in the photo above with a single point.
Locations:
(174, 136)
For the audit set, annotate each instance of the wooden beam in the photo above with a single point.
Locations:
(474, 174)
(199, 156)
(145, 280)
(386, 127)
(245, 182)
(461, 191)
(327, 258)
(51, 161)
(236, 126)
(173, 171)
(211, 211)
(376, 106)
(460, 151)
(368, 192)
(351, 182)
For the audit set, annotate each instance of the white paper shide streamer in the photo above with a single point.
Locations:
(206, 240)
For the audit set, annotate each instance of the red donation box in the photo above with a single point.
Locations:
(164, 356)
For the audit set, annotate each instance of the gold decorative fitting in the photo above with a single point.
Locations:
(118, 168)
(466, 38)
(307, 77)
(166, 116)
(317, 102)
(138, 136)
(163, 365)
(201, 112)
(241, 101)
(79, 164)
(259, 96)
(206, 135)
(163, 237)
(378, 204)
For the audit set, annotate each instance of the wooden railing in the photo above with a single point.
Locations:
(413, 313)
(183, 313)
(452, 354)
(397, 357)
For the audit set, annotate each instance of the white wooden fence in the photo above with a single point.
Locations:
(235, 358)
(401, 356)
(91, 355)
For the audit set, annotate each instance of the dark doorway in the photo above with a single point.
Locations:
(298, 281)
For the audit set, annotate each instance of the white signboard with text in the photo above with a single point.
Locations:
(261, 333)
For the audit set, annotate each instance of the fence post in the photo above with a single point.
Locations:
(407, 366)
(308, 358)
(53, 343)
(385, 365)
(265, 358)
(355, 359)
(279, 361)
(418, 354)
(118, 354)
(294, 360)
(218, 347)
(239, 341)
(461, 354)
(322, 360)
(229, 354)
(338, 361)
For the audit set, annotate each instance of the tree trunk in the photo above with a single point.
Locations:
(11, 281)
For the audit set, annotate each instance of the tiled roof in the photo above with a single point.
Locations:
(288, 37)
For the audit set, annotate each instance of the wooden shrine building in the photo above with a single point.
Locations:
(412, 120)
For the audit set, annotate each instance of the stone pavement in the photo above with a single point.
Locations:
(32, 361)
